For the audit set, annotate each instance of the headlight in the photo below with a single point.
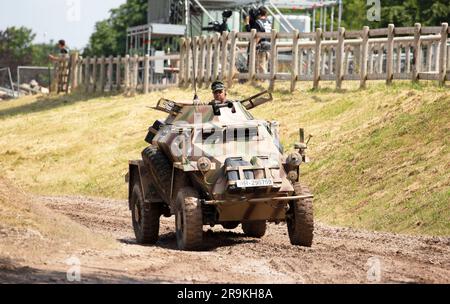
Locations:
(293, 176)
(294, 160)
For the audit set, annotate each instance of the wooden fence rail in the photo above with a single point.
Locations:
(388, 54)
(414, 53)
(121, 74)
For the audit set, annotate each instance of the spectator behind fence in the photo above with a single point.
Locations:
(63, 50)
(261, 25)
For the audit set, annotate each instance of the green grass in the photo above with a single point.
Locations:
(380, 156)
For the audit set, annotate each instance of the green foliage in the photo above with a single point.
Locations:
(399, 12)
(110, 35)
(406, 13)
(40, 53)
(16, 47)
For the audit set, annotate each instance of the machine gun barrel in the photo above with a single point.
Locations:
(257, 100)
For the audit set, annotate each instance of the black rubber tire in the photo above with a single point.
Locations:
(145, 217)
(189, 220)
(256, 229)
(300, 218)
(230, 225)
(160, 170)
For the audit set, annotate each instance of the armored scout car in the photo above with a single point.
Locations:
(215, 164)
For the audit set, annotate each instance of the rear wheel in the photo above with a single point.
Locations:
(300, 218)
(255, 229)
(145, 217)
(189, 220)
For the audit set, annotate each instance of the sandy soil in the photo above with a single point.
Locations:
(339, 255)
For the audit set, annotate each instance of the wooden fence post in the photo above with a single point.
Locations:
(370, 64)
(301, 71)
(224, 46)
(294, 72)
(209, 44)
(365, 47)
(273, 60)
(340, 57)
(94, 74)
(443, 54)
(428, 62)
(201, 61)
(330, 59)
(317, 58)
(66, 73)
(135, 74)
(417, 53)
(252, 56)
(146, 73)
(127, 74)
(195, 43)
(437, 56)
(216, 58)
(380, 58)
(102, 74)
(87, 74)
(74, 70)
(110, 73)
(80, 71)
(118, 73)
(390, 55)
(346, 60)
(398, 67)
(231, 68)
(309, 63)
(324, 60)
(408, 58)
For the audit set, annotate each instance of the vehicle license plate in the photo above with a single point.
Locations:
(251, 183)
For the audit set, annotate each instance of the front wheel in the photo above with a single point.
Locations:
(300, 218)
(189, 220)
(145, 217)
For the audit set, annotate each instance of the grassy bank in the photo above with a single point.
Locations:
(380, 157)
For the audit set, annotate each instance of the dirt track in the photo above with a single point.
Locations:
(339, 255)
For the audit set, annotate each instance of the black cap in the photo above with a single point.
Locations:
(218, 86)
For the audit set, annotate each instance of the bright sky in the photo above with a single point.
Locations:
(72, 20)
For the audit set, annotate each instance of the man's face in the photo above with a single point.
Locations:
(220, 95)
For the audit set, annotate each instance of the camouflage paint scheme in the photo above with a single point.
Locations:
(194, 132)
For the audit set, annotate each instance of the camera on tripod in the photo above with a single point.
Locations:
(216, 26)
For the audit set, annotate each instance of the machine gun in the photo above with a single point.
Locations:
(257, 100)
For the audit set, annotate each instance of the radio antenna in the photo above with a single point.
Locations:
(192, 50)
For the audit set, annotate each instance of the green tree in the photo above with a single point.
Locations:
(399, 12)
(110, 35)
(40, 53)
(16, 47)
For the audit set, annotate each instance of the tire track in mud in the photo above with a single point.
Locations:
(339, 255)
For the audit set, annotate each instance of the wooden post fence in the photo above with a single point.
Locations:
(416, 53)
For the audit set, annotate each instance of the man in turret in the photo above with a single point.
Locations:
(219, 93)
